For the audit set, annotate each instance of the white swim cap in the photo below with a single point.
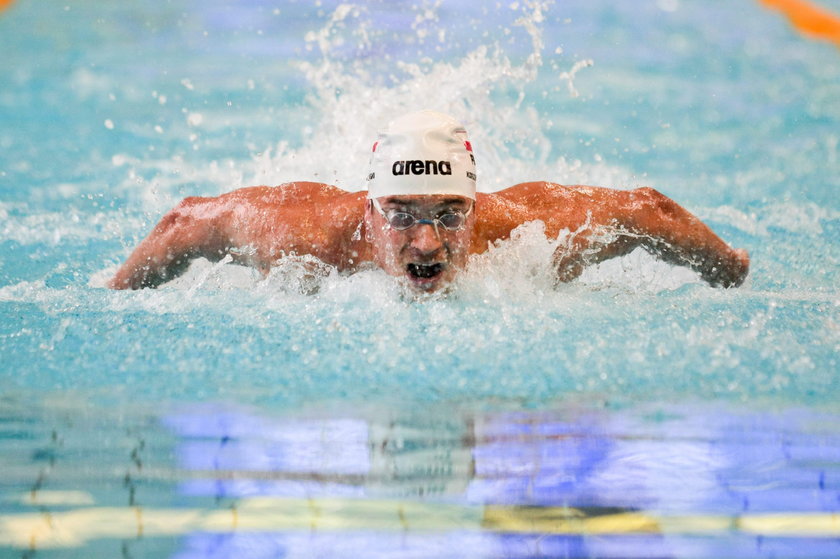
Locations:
(422, 153)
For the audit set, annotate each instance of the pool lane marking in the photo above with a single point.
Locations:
(55, 498)
(808, 18)
(74, 528)
(559, 520)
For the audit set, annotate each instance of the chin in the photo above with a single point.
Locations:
(427, 286)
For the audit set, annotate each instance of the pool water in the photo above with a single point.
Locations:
(635, 412)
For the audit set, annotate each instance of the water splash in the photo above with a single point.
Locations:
(628, 326)
(485, 89)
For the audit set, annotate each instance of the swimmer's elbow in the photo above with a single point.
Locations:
(182, 234)
(567, 268)
(654, 202)
(186, 214)
(176, 218)
(190, 228)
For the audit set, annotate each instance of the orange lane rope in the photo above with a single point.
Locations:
(5, 4)
(808, 18)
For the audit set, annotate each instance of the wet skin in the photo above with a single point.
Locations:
(425, 255)
(257, 226)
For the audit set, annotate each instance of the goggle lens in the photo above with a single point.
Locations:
(401, 221)
(451, 221)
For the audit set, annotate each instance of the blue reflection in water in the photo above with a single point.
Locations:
(111, 112)
(700, 462)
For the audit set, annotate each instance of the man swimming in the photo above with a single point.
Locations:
(421, 218)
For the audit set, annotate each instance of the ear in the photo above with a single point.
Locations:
(368, 212)
(368, 219)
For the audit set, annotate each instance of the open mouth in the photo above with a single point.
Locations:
(424, 271)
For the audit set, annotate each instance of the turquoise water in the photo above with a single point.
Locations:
(635, 412)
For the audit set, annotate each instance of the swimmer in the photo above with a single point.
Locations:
(421, 218)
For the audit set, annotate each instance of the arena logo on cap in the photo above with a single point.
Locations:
(418, 167)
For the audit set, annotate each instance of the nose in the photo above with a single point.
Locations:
(426, 238)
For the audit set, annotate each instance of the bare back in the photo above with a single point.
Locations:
(259, 225)
(256, 226)
(295, 218)
(558, 207)
(327, 222)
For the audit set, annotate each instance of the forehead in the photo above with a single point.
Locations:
(430, 201)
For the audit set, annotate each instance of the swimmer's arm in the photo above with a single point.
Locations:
(190, 230)
(648, 219)
(675, 235)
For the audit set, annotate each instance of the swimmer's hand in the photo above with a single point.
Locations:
(730, 271)
(672, 233)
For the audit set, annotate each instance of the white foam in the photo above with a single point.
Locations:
(510, 146)
(349, 101)
(514, 270)
(27, 227)
(796, 217)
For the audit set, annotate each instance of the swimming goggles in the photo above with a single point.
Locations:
(450, 220)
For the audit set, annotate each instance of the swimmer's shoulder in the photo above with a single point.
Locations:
(289, 194)
(524, 196)
(557, 206)
(532, 189)
(535, 194)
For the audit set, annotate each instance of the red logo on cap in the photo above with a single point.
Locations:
(374, 146)
(468, 146)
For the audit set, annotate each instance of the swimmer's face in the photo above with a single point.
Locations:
(427, 255)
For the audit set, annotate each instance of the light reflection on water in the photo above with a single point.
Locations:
(634, 413)
(576, 480)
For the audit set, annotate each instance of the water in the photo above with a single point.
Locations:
(636, 412)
